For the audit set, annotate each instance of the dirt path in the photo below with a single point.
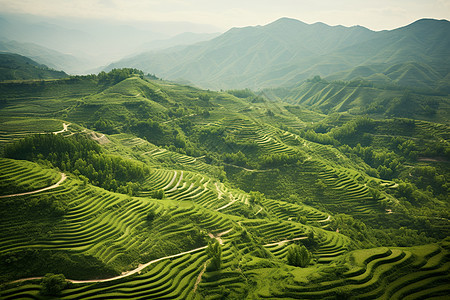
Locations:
(141, 266)
(199, 278)
(260, 209)
(248, 170)
(286, 241)
(217, 236)
(65, 126)
(228, 204)
(63, 177)
(327, 219)
(219, 191)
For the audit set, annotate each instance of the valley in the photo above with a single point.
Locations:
(254, 174)
(278, 161)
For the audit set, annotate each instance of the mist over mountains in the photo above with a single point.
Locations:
(283, 53)
(288, 51)
(93, 43)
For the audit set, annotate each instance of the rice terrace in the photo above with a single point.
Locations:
(185, 159)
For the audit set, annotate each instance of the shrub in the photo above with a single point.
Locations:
(53, 284)
(158, 194)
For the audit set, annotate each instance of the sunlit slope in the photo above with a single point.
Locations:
(120, 231)
(380, 273)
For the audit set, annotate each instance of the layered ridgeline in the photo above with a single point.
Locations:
(359, 97)
(288, 51)
(42, 55)
(139, 188)
(18, 67)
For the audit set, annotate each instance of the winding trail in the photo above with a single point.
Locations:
(327, 219)
(63, 177)
(286, 241)
(228, 204)
(217, 236)
(140, 267)
(65, 126)
(199, 277)
(248, 170)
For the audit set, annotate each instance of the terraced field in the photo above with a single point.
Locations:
(24, 176)
(263, 136)
(166, 279)
(109, 226)
(293, 212)
(117, 246)
(17, 128)
(152, 155)
(188, 186)
(352, 195)
(112, 226)
(381, 273)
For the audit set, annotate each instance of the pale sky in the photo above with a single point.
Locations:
(224, 14)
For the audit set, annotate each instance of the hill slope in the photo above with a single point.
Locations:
(16, 67)
(51, 58)
(362, 97)
(288, 51)
(198, 194)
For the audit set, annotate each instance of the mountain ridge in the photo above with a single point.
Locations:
(287, 51)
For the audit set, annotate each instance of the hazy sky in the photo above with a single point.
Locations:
(376, 15)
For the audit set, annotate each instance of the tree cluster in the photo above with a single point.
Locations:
(298, 256)
(214, 252)
(81, 156)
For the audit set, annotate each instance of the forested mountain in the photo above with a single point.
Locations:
(288, 51)
(14, 67)
(135, 187)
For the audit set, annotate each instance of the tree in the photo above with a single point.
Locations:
(214, 252)
(158, 194)
(53, 284)
(298, 256)
(256, 197)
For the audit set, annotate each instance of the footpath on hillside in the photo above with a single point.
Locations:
(63, 177)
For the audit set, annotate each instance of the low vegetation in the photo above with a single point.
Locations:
(194, 194)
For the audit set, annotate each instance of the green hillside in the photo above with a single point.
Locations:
(17, 67)
(289, 51)
(361, 97)
(140, 188)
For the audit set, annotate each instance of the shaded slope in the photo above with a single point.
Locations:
(17, 67)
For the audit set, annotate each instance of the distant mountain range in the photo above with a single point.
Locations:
(96, 43)
(18, 67)
(289, 51)
(42, 55)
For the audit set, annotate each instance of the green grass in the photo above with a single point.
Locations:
(380, 273)
(24, 176)
(87, 232)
